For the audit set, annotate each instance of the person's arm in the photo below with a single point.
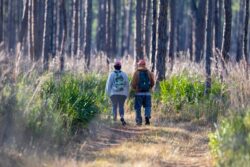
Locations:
(134, 81)
(127, 85)
(152, 81)
(109, 85)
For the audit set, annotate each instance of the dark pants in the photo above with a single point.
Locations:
(118, 101)
(145, 101)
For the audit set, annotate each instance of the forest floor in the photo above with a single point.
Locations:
(163, 143)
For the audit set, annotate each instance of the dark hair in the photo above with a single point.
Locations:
(117, 67)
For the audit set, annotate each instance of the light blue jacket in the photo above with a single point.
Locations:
(110, 85)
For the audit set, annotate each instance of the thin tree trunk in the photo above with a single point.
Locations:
(200, 30)
(82, 23)
(125, 29)
(88, 33)
(240, 37)
(130, 24)
(1, 21)
(109, 27)
(76, 27)
(114, 29)
(227, 29)
(11, 27)
(162, 40)
(218, 23)
(209, 52)
(246, 36)
(64, 37)
(139, 35)
(47, 34)
(172, 34)
(148, 28)
(154, 31)
(30, 31)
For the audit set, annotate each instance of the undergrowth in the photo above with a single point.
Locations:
(61, 105)
(185, 94)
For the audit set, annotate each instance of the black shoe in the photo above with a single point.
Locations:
(123, 122)
(147, 122)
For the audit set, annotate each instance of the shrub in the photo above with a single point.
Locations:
(183, 92)
(230, 143)
(61, 106)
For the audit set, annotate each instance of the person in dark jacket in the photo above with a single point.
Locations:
(142, 83)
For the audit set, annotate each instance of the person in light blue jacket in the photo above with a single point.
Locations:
(117, 88)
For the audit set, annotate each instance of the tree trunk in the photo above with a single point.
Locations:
(125, 29)
(240, 37)
(11, 27)
(1, 21)
(64, 33)
(180, 29)
(162, 40)
(246, 36)
(30, 30)
(172, 34)
(200, 30)
(47, 34)
(139, 35)
(227, 29)
(76, 27)
(130, 25)
(109, 27)
(82, 24)
(209, 52)
(88, 33)
(154, 31)
(148, 29)
(114, 29)
(218, 23)
(24, 23)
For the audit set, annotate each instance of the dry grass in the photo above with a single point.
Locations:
(162, 144)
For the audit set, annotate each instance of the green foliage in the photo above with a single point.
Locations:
(183, 92)
(62, 106)
(230, 143)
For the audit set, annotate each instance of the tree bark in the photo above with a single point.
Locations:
(246, 36)
(209, 52)
(172, 33)
(162, 40)
(88, 33)
(130, 24)
(82, 24)
(227, 29)
(11, 27)
(64, 32)
(148, 29)
(76, 27)
(114, 29)
(139, 47)
(200, 30)
(154, 31)
(240, 37)
(1, 21)
(218, 23)
(47, 34)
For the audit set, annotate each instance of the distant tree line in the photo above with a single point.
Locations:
(154, 29)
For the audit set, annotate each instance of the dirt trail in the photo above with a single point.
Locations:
(110, 144)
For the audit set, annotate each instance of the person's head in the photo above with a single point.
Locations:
(117, 65)
(141, 63)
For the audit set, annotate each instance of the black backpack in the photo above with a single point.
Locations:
(144, 81)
